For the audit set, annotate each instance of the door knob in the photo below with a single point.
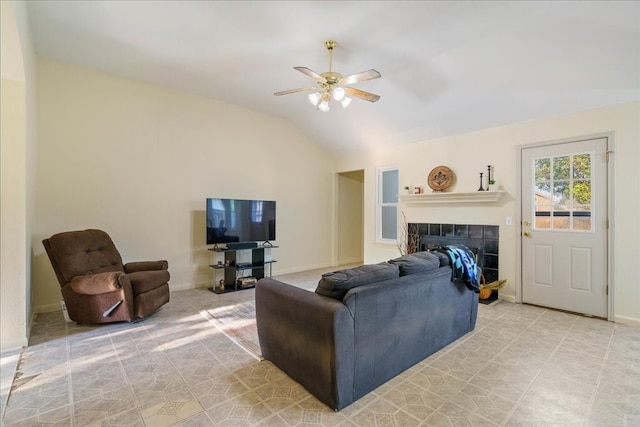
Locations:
(527, 233)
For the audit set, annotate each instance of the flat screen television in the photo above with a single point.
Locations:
(232, 221)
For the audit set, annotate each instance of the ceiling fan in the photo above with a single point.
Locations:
(333, 85)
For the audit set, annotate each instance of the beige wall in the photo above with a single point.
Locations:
(139, 161)
(469, 154)
(17, 161)
(350, 214)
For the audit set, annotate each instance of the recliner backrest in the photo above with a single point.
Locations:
(78, 253)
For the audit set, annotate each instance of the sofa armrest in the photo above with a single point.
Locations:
(132, 267)
(308, 336)
(100, 283)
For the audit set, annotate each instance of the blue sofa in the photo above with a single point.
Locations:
(362, 326)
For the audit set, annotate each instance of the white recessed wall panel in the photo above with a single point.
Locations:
(580, 269)
(543, 265)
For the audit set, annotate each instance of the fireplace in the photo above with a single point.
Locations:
(483, 240)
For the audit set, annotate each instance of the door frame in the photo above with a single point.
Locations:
(610, 136)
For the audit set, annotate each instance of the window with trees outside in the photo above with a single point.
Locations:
(387, 205)
(563, 195)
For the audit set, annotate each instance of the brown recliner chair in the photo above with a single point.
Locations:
(96, 286)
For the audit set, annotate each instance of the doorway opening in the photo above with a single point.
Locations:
(350, 217)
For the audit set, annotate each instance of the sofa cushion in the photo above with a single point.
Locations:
(418, 262)
(444, 258)
(337, 283)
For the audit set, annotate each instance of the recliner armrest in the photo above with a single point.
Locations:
(145, 281)
(132, 267)
(100, 283)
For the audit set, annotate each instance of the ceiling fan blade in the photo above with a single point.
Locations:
(359, 77)
(302, 89)
(367, 96)
(309, 72)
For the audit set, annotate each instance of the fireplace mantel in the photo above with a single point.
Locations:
(442, 197)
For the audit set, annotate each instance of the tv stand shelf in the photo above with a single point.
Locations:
(234, 266)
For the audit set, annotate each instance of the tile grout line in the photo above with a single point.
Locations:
(276, 412)
(72, 410)
(189, 387)
(16, 376)
(600, 374)
(126, 378)
(526, 390)
(474, 375)
(187, 383)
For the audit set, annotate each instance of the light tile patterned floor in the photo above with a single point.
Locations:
(522, 366)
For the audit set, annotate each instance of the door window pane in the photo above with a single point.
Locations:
(582, 166)
(561, 167)
(581, 192)
(563, 193)
(560, 191)
(582, 217)
(542, 217)
(542, 169)
(543, 189)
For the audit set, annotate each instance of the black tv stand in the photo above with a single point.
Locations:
(241, 245)
(235, 270)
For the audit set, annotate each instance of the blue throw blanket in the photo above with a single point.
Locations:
(463, 265)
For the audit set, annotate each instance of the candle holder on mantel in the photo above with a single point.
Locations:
(480, 189)
(489, 177)
(491, 183)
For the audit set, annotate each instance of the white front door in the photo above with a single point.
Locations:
(564, 226)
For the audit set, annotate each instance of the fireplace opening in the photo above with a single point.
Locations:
(482, 240)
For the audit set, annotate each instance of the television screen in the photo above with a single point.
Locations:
(235, 220)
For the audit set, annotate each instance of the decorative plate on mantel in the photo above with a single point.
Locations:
(440, 178)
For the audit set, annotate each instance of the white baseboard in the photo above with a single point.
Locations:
(207, 284)
(623, 320)
(300, 269)
(350, 261)
(626, 320)
(507, 298)
(186, 286)
(47, 308)
(12, 346)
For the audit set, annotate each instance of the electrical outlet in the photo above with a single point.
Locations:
(508, 221)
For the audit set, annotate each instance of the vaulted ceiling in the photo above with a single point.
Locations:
(447, 67)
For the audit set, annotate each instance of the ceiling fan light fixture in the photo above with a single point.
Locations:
(338, 93)
(323, 106)
(334, 85)
(314, 98)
